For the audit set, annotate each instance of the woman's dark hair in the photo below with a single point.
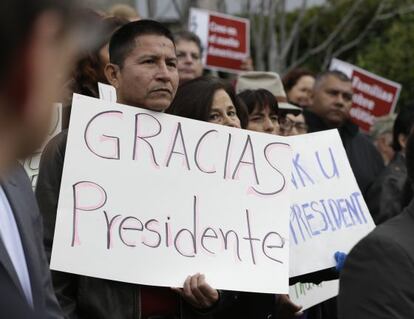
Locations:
(292, 77)
(194, 99)
(260, 98)
(89, 68)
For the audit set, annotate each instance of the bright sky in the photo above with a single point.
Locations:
(165, 8)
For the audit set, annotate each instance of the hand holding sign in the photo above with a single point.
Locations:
(286, 308)
(198, 292)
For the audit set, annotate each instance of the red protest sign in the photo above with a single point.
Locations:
(373, 97)
(225, 39)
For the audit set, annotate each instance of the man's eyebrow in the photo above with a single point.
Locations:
(148, 56)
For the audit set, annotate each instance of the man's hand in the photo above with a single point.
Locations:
(197, 292)
(286, 309)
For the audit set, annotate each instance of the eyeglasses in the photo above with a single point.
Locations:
(287, 124)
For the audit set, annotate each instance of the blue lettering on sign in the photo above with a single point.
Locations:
(312, 219)
(335, 172)
(300, 172)
(302, 175)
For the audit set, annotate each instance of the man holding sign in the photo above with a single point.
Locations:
(143, 69)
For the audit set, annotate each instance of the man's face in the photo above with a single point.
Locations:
(293, 125)
(149, 76)
(189, 60)
(46, 63)
(332, 101)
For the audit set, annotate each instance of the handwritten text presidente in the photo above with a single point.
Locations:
(236, 162)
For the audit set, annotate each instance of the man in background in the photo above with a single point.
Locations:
(37, 50)
(330, 107)
(143, 70)
(189, 53)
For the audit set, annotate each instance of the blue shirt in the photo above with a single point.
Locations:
(10, 236)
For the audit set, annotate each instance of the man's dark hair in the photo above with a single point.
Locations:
(16, 21)
(292, 77)
(402, 125)
(259, 98)
(123, 40)
(335, 73)
(190, 37)
(198, 106)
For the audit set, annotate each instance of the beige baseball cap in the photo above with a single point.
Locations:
(270, 81)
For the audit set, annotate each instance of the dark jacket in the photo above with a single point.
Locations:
(365, 160)
(87, 297)
(366, 164)
(19, 193)
(384, 197)
(377, 279)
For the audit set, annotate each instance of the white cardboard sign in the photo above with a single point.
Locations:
(151, 198)
(107, 92)
(308, 295)
(327, 212)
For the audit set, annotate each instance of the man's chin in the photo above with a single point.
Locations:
(335, 122)
(158, 106)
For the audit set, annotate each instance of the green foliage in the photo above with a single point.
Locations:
(390, 54)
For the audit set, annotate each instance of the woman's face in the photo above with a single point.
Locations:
(223, 110)
(300, 93)
(263, 120)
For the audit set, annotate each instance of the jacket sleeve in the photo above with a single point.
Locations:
(376, 281)
(47, 194)
(51, 308)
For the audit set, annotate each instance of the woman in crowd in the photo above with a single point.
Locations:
(262, 111)
(90, 66)
(298, 84)
(215, 101)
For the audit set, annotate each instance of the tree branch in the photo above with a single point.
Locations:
(272, 36)
(364, 32)
(339, 27)
(295, 30)
(178, 10)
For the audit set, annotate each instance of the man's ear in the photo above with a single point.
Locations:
(112, 72)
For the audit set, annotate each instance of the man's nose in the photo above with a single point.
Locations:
(164, 73)
(340, 101)
(188, 58)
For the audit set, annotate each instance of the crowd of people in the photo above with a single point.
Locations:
(58, 49)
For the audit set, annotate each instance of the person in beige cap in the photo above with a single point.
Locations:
(271, 82)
